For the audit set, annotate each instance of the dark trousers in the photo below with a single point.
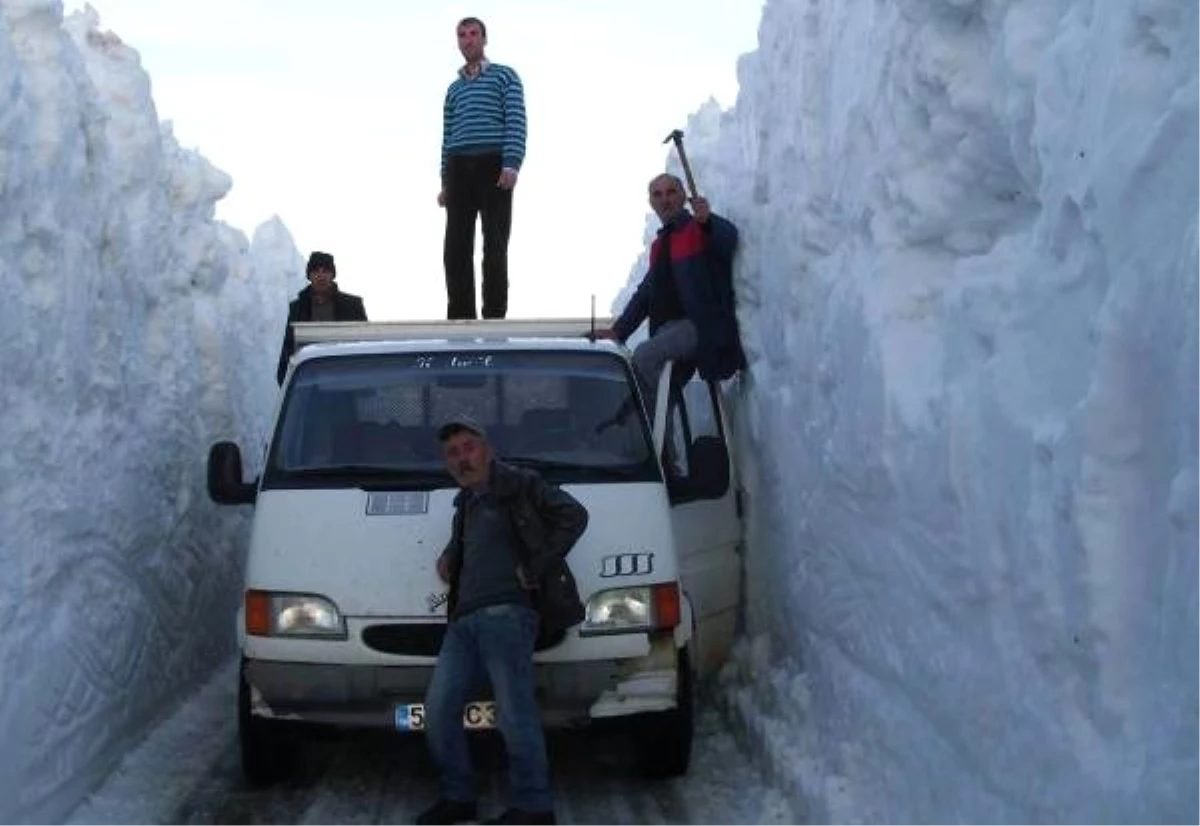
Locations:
(471, 192)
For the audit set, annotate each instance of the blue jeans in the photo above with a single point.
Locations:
(495, 642)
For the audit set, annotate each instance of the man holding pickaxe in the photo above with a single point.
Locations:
(687, 292)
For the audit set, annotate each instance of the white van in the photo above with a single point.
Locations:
(344, 612)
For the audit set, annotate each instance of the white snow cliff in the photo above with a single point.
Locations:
(134, 331)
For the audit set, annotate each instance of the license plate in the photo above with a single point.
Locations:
(480, 715)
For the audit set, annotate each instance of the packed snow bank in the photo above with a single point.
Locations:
(135, 330)
(968, 287)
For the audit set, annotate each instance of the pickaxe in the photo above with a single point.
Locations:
(677, 136)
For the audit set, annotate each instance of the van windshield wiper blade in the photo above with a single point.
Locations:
(367, 471)
(600, 471)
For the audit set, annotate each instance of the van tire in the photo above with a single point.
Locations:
(264, 744)
(663, 741)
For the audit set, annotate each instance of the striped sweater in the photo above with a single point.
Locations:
(485, 114)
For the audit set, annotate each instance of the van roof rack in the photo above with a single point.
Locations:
(314, 332)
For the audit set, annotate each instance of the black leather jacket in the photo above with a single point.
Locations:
(346, 307)
(547, 521)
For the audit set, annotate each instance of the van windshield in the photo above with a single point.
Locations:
(371, 421)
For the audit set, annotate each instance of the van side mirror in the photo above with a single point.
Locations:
(225, 485)
(708, 472)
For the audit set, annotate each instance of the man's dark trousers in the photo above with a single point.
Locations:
(471, 192)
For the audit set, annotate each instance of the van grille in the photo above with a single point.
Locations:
(420, 639)
(410, 639)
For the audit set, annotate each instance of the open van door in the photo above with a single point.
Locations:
(692, 438)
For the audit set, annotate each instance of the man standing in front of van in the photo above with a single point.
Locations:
(509, 525)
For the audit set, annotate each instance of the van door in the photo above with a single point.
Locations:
(696, 455)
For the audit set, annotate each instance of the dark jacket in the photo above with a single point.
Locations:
(346, 307)
(702, 266)
(547, 521)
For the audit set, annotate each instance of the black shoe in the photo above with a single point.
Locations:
(449, 811)
(522, 816)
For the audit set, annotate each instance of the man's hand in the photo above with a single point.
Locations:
(604, 332)
(526, 582)
(507, 179)
(701, 209)
(442, 198)
(443, 569)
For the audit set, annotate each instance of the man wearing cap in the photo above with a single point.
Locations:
(509, 526)
(321, 300)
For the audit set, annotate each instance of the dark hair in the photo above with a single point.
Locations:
(320, 261)
(466, 21)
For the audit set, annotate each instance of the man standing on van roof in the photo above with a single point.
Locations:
(321, 300)
(483, 146)
(686, 294)
(509, 525)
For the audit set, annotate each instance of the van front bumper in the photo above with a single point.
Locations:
(570, 694)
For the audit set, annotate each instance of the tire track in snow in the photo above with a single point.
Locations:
(373, 777)
(189, 771)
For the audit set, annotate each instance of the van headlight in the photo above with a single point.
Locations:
(270, 614)
(618, 611)
(643, 608)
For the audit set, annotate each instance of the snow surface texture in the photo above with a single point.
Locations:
(135, 330)
(968, 287)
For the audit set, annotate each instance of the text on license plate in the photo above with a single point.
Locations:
(479, 715)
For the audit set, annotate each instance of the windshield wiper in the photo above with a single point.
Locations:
(591, 471)
(369, 472)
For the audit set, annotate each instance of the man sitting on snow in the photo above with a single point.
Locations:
(686, 294)
(321, 300)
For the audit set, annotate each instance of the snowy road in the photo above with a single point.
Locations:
(187, 771)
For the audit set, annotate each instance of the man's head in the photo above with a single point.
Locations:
(466, 450)
(666, 196)
(472, 37)
(321, 271)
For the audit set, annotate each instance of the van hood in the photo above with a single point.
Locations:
(375, 553)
